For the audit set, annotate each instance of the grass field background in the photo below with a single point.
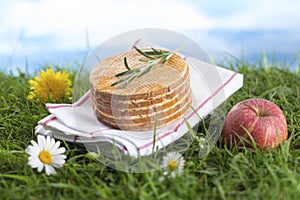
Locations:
(222, 174)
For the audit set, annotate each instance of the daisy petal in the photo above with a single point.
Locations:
(31, 150)
(47, 143)
(55, 146)
(36, 145)
(58, 163)
(41, 141)
(40, 167)
(59, 157)
(33, 163)
(51, 145)
(33, 158)
(49, 170)
(58, 151)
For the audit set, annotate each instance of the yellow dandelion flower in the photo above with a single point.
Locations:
(50, 86)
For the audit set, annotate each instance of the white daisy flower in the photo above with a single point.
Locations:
(173, 163)
(203, 142)
(204, 146)
(45, 153)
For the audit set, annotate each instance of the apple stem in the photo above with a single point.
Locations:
(261, 112)
(254, 109)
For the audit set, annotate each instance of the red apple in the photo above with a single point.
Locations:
(261, 119)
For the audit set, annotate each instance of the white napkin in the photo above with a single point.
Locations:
(210, 85)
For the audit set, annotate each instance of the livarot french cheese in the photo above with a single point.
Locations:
(153, 91)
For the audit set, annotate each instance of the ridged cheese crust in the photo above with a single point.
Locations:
(162, 95)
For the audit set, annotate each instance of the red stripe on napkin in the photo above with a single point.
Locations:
(77, 104)
(50, 120)
(98, 131)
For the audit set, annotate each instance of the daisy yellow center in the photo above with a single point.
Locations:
(172, 165)
(45, 157)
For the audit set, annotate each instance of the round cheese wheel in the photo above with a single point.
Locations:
(157, 98)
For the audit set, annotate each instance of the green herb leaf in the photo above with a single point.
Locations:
(152, 59)
(126, 73)
(126, 63)
(143, 53)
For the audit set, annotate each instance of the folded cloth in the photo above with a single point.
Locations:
(210, 85)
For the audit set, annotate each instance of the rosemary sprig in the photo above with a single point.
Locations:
(152, 59)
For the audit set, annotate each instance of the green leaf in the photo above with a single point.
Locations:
(118, 82)
(16, 177)
(142, 53)
(126, 63)
(125, 73)
(148, 69)
(154, 50)
(129, 80)
(154, 132)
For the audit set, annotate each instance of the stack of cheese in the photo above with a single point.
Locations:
(154, 99)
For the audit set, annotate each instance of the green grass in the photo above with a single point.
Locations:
(222, 174)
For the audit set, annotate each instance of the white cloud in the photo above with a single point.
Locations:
(62, 24)
(68, 20)
(267, 14)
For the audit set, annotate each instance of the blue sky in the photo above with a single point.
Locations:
(38, 28)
